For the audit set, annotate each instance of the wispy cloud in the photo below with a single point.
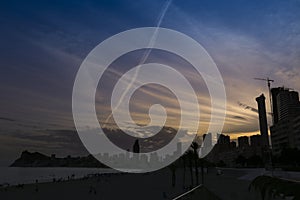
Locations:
(245, 41)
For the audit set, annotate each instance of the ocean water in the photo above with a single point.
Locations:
(20, 175)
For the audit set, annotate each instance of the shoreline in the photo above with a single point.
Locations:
(231, 184)
(154, 185)
(27, 175)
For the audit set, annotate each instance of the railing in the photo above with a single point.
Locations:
(186, 193)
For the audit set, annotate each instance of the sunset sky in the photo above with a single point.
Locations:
(43, 44)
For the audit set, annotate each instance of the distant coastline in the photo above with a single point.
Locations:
(36, 159)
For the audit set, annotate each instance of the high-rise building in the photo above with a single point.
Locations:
(296, 131)
(256, 141)
(207, 140)
(287, 104)
(280, 136)
(243, 142)
(207, 144)
(274, 93)
(178, 151)
(263, 124)
(223, 139)
(286, 116)
(223, 142)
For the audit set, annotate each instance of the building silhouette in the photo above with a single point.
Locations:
(285, 132)
(263, 124)
(255, 141)
(223, 142)
(207, 144)
(223, 139)
(274, 93)
(226, 151)
(287, 104)
(243, 142)
(178, 151)
(207, 140)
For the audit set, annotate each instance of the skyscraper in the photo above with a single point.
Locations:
(287, 104)
(255, 140)
(223, 139)
(206, 144)
(223, 142)
(285, 130)
(243, 142)
(263, 124)
(207, 140)
(274, 93)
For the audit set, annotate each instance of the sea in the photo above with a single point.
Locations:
(21, 175)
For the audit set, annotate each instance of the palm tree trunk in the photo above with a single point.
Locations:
(202, 172)
(173, 178)
(196, 167)
(191, 171)
(184, 166)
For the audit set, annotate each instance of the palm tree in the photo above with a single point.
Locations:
(173, 168)
(184, 168)
(190, 156)
(195, 146)
(202, 170)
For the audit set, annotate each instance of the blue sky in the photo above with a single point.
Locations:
(44, 42)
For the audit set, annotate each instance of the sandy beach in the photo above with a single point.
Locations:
(155, 185)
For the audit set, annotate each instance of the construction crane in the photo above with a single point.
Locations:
(269, 151)
(269, 81)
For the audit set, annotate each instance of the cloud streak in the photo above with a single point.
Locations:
(143, 59)
(246, 40)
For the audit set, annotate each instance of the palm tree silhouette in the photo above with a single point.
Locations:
(184, 157)
(173, 168)
(190, 155)
(195, 146)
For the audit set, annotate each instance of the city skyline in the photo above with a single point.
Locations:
(44, 47)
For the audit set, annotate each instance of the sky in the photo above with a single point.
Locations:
(43, 44)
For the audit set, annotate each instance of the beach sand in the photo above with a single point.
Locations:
(155, 185)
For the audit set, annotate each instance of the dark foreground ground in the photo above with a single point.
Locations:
(156, 185)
